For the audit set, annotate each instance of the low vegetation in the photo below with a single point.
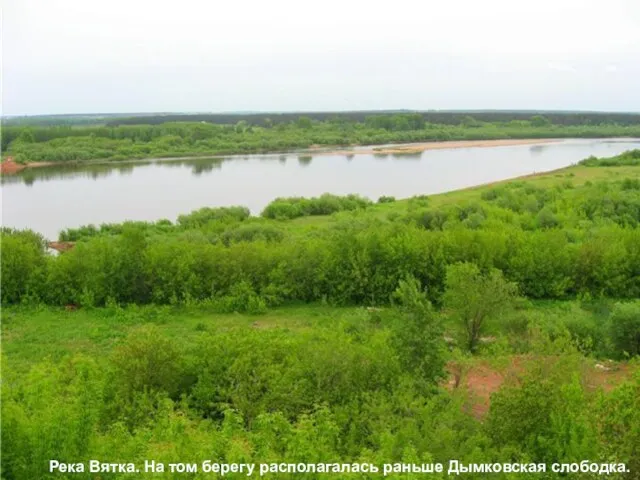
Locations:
(176, 139)
(495, 324)
(294, 207)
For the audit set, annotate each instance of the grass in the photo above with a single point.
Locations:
(578, 175)
(32, 334)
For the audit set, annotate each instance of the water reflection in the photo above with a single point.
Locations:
(29, 176)
(305, 160)
(125, 170)
(537, 149)
(407, 155)
(50, 199)
(200, 168)
(202, 165)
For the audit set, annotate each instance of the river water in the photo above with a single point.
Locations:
(50, 199)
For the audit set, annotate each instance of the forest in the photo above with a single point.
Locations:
(493, 325)
(446, 117)
(125, 141)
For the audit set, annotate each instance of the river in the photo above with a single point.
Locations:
(50, 199)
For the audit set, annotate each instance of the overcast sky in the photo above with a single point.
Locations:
(83, 56)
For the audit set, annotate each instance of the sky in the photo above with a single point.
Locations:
(94, 56)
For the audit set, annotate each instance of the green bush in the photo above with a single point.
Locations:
(544, 416)
(252, 232)
(242, 298)
(146, 361)
(625, 329)
(628, 158)
(203, 216)
(23, 264)
(326, 204)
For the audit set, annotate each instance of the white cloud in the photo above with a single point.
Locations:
(561, 67)
(132, 55)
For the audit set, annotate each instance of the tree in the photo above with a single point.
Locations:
(26, 136)
(540, 121)
(418, 335)
(304, 123)
(470, 122)
(475, 298)
(241, 126)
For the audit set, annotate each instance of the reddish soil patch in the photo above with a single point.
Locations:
(61, 246)
(9, 167)
(481, 380)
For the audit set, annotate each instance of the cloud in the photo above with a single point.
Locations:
(561, 67)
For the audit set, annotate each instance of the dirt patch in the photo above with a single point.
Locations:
(61, 246)
(481, 380)
(10, 167)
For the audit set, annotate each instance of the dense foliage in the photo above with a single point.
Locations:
(266, 119)
(553, 243)
(170, 341)
(629, 158)
(64, 143)
(353, 388)
(294, 207)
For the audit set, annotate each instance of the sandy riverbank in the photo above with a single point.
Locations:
(421, 147)
(9, 166)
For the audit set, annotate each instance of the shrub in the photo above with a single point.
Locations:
(205, 215)
(326, 204)
(146, 361)
(546, 219)
(628, 158)
(625, 329)
(431, 219)
(242, 298)
(252, 232)
(544, 416)
(23, 264)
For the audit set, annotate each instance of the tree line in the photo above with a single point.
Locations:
(66, 143)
